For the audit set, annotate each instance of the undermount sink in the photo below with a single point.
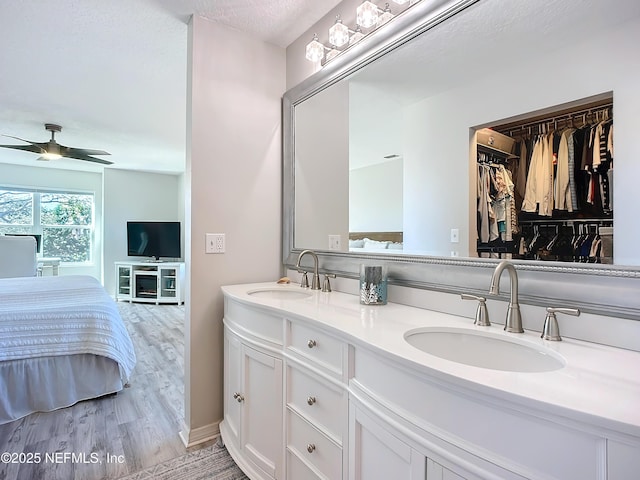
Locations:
(280, 293)
(484, 349)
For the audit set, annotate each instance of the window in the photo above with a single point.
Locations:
(64, 219)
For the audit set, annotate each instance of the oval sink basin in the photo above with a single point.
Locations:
(280, 293)
(484, 349)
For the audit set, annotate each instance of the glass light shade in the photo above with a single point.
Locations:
(331, 54)
(357, 36)
(338, 34)
(315, 50)
(385, 17)
(367, 14)
(400, 2)
(49, 156)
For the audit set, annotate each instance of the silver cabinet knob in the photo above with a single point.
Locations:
(238, 397)
(311, 343)
(311, 448)
(311, 400)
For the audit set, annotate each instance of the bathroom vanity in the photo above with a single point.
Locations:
(318, 386)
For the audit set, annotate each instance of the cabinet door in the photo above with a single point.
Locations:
(232, 385)
(262, 411)
(168, 280)
(123, 277)
(376, 453)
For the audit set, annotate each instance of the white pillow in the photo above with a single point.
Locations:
(395, 246)
(356, 243)
(374, 244)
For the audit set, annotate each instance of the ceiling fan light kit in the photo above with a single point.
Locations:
(52, 150)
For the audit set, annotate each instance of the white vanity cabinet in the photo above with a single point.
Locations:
(253, 389)
(322, 388)
(316, 403)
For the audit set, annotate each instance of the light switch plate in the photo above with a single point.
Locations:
(215, 243)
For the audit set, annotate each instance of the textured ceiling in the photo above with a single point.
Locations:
(113, 73)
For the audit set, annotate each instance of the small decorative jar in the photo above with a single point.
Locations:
(373, 284)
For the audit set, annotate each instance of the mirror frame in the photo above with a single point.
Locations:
(608, 290)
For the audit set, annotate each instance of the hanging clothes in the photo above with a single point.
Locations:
(562, 194)
(539, 188)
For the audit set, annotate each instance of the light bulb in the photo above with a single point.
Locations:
(385, 17)
(315, 50)
(357, 36)
(338, 33)
(367, 14)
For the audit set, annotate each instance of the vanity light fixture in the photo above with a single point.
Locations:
(368, 16)
(357, 36)
(338, 33)
(385, 17)
(315, 50)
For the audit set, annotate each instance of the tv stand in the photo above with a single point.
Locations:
(150, 282)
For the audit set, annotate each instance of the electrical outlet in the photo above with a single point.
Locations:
(335, 242)
(215, 243)
(455, 235)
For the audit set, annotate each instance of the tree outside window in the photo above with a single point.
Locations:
(64, 219)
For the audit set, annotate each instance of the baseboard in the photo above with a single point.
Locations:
(196, 436)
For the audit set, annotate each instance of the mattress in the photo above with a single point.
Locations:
(62, 340)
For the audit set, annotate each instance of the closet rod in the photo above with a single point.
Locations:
(568, 221)
(574, 114)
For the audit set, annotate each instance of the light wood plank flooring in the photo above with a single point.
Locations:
(140, 424)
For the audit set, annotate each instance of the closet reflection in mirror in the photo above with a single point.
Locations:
(389, 153)
(545, 186)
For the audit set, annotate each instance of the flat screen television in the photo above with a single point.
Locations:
(153, 239)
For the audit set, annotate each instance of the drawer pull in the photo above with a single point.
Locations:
(311, 343)
(311, 400)
(311, 447)
(238, 397)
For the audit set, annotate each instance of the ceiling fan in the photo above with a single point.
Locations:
(52, 150)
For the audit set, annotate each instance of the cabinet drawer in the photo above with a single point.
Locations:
(320, 403)
(261, 325)
(297, 469)
(316, 449)
(325, 351)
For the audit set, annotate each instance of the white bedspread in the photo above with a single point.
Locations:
(65, 315)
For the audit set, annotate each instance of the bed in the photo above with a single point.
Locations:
(62, 340)
(375, 241)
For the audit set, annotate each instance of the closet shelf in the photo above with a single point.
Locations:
(497, 151)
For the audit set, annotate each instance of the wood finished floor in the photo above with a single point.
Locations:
(140, 423)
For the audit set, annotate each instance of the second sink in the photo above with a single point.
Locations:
(280, 293)
(484, 349)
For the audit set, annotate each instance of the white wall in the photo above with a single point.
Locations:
(322, 168)
(375, 197)
(130, 195)
(54, 178)
(232, 186)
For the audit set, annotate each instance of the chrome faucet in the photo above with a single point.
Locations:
(315, 281)
(513, 322)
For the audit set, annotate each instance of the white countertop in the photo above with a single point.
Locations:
(599, 385)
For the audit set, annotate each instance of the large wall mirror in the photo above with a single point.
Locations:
(382, 144)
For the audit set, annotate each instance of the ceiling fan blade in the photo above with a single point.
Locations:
(18, 138)
(84, 151)
(88, 158)
(34, 147)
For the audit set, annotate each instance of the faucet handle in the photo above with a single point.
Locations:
(482, 314)
(326, 286)
(550, 329)
(304, 281)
